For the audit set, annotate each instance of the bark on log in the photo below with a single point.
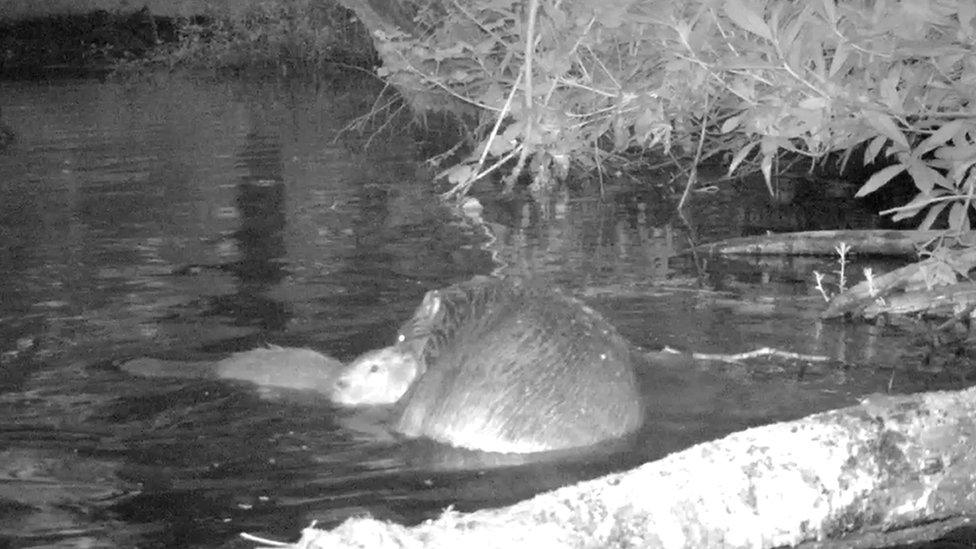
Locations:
(872, 242)
(869, 473)
(944, 301)
(934, 274)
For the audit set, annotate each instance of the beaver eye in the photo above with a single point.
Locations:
(374, 368)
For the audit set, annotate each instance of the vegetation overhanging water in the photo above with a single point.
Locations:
(196, 217)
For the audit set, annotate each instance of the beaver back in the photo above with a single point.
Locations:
(516, 367)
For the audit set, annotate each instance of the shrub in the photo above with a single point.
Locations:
(298, 36)
(740, 81)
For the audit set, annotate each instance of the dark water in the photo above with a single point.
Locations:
(193, 218)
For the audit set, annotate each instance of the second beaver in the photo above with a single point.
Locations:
(271, 366)
(508, 366)
(374, 378)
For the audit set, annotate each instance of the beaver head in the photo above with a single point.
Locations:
(376, 378)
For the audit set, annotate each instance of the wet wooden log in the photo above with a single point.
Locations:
(891, 470)
(868, 242)
(927, 286)
(944, 301)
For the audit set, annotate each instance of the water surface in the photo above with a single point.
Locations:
(191, 218)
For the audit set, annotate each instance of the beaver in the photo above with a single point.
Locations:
(516, 367)
(489, 365)
(375, 378)
(272, 366)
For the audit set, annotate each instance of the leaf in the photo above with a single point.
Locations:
(845, 158)
(930, 217)
(960, 169)
(874, 147)
(744, 88)
(879, 178)
(507, 140)
(965, 16)
(958, 217)
(645, 123)
(925, 178)
(767, 170)
(888, 88)
(774, 12)
(957, 152)
(813, 103)
(941, 136)
(731, 123)
(747, 18)
(788, 35)
(740, 156)
(621, 134)
(884, 124)
(770, 144)
(610, 16)
(818, 58)
(683, 28)
(830, 11)
(458, 174)
(840, 56)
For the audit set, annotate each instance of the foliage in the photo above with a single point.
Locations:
(76, 42)
(292, 35)
(843, 250)
(741, 81)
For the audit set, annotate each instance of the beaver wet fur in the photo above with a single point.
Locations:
(490, 365)
(271, 366)
(509, 366)
(376, 378)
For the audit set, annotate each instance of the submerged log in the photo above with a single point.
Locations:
(944, 301)
(868, 242)
(867, 475)
(927, 286)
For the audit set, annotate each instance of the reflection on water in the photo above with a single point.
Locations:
(190, 219)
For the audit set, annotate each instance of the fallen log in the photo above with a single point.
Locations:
(944, 301)
(934, 276)
(862, 242)
(894, 469)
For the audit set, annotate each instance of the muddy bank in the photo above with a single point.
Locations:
(79, 44)
(27, 9)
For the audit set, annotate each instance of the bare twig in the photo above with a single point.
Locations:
(764, 351)
(462, 187)
(693, 176)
